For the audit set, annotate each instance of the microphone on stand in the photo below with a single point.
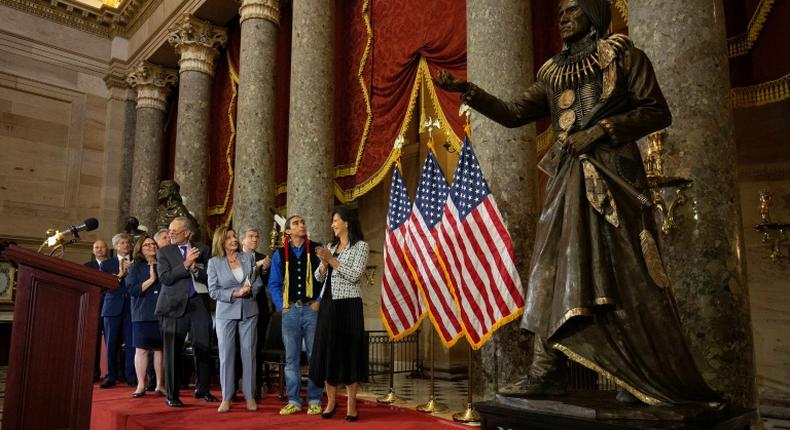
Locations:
(89, 224)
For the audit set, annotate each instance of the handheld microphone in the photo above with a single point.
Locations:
(89, 224)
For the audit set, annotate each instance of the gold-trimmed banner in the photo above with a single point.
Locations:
(743, 43)
(761, 94)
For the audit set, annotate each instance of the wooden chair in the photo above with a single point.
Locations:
(273, 352)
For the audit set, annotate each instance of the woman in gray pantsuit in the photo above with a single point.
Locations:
(233, 283)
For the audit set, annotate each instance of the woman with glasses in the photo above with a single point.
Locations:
(144, 288)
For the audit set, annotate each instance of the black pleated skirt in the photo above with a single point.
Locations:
(340, 348)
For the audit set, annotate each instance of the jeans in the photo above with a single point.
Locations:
(298, 325)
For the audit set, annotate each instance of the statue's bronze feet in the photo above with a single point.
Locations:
(535, 386)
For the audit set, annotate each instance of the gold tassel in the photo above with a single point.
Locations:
(285, 285)
(309, 275)
(655, 267)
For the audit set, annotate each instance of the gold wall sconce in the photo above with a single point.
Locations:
(658, 181)
(773, 233)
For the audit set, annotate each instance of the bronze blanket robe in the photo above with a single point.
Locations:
(589, 292)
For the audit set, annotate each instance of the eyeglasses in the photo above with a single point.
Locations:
(176, 232)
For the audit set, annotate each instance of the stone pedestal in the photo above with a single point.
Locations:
(499, 55)
(253, 192)
(311, 141)
(599, 410)
(687, 44)
(196, 43)
(153, 84)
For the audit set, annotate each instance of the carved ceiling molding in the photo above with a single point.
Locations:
(113, 18)
(134, 13)
(80, 16)
(761, 94)
(736, 45)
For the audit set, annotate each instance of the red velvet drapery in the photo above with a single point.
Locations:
(385, 73)
(385, 52)
(222, 131)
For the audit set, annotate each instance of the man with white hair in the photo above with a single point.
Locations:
(117, 314)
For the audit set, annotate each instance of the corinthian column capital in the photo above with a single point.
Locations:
(196, 42)
(260, 9)
(152, 83)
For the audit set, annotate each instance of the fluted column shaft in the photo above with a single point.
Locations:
(253, 192)
(312, 128)
(687, 43)
(196, 43)
(501, 62)
(153, 84)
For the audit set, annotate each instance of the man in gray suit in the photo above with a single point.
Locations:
(183, 306)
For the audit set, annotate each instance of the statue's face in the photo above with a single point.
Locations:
(574, 23)
(166, 190)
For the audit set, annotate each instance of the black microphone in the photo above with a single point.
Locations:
(89, 224)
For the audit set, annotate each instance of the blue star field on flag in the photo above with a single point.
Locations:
(469, 186)
(432, 191)
(399, 207)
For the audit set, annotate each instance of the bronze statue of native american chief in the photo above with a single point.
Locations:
(597, 292)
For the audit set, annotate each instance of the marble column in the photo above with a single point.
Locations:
(687, 44)
(501, 62)
(152, 83)
(196, 42)
(311, 141)
(119, 138)
(253, 192)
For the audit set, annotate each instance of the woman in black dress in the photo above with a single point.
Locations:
(144, 289)
(340, 350)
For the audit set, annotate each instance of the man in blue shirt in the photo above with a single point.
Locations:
(294, 292)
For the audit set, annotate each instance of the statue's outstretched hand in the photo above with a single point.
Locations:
(448, 82)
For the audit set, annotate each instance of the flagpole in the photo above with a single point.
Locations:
(390, 397)
(469, 415)
(432, 406)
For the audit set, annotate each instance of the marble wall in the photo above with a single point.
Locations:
(53, 120)
(763, 140)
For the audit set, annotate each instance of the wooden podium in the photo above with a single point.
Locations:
(53, 342)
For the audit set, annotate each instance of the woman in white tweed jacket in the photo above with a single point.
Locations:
(340, 349)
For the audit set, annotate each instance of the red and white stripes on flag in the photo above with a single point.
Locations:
(401, 307)
(478, 251)
(434, 281)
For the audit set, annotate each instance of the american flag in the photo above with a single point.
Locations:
(421, 243)
(401, 307)
(477, 247)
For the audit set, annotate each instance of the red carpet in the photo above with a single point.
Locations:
(114, 409)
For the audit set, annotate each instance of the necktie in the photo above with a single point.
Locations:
(191, 290)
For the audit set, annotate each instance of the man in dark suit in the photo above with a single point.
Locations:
(249, 243)
(183, 306)
(99, 255)
(117, 314)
